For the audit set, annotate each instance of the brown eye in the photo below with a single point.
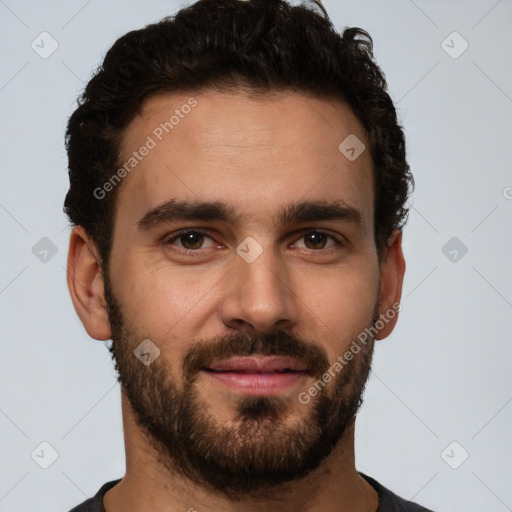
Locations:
(317, 240)
(189, 240)
(192, 240)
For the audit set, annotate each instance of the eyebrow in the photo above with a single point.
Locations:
(294, 213)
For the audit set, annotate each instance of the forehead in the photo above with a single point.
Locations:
(256, 154)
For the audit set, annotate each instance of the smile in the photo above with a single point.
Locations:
(258, 376)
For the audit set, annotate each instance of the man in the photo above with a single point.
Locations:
(237, 188)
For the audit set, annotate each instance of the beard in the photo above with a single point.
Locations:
(256, 450)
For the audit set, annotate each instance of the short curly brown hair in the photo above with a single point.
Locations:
(268, 45)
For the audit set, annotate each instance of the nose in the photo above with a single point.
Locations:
(258, 296)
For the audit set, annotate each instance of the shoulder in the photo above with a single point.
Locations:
(390, 502)
(95, 504)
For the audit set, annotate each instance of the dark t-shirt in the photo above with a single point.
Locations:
(388, 502)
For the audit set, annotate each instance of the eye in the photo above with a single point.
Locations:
(189, 240)
(318, 240)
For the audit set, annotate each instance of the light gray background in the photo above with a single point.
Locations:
(443, 376)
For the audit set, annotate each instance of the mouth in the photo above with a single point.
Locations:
(258, 376)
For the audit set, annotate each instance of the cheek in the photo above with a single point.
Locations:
(160, 300)
(340, 304)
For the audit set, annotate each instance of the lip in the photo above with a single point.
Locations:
(258, 376)
(262, 364)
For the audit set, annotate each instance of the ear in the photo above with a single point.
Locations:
(85, 283)
(392, 271)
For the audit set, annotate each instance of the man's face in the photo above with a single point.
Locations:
(255, 300)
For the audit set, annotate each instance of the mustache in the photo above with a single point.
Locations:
(240, 344)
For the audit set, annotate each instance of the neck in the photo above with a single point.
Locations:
(335, 486)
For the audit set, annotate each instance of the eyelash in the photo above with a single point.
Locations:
(175, 236)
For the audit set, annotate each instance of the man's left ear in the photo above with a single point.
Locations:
(392, 271)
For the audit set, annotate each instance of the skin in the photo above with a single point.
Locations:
(257, 155)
